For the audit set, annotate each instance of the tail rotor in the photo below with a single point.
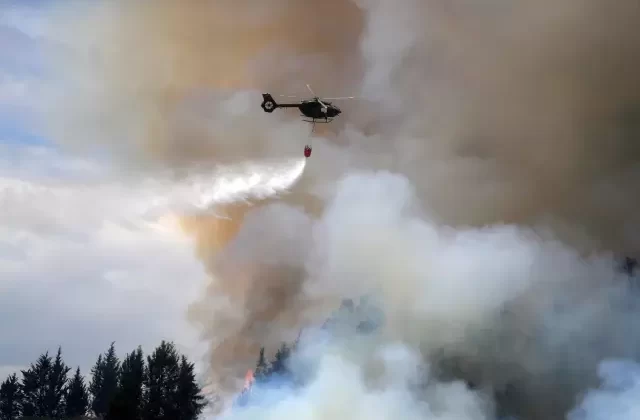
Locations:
(268, 103)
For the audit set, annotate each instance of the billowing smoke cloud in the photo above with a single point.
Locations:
(496, 112)
(516, 313)
(512, 115)
(616, 398)
(159, 78)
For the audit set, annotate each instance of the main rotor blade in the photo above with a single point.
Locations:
(339, 98)
(311, 90)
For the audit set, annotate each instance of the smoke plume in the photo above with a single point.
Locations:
(618, 395)
(508, 131)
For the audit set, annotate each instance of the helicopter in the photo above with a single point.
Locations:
(316, 109)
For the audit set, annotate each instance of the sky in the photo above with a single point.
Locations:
(79, 249)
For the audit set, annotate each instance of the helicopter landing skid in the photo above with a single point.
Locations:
(314, 122)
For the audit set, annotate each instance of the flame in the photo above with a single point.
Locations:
(248, 380)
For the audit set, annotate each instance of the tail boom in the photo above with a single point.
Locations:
(269, 104)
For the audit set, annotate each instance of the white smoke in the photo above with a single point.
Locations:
(342, 388)
(509, 302)
(371, 240)
(617, 398)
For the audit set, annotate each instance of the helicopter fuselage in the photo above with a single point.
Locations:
(311, 108)
(315, 110)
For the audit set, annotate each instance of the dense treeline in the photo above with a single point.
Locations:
(162, 386)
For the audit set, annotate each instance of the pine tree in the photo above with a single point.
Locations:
(57, 387)
(44, 386)
(77, 401)
(95, 385)
(35, 384)
(161, 380)
(279, 364)
(260, 373)
(190, 401)
(128, 401)
(10, 398)
(104, 384)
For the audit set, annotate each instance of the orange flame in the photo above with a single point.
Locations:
(248, 379)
